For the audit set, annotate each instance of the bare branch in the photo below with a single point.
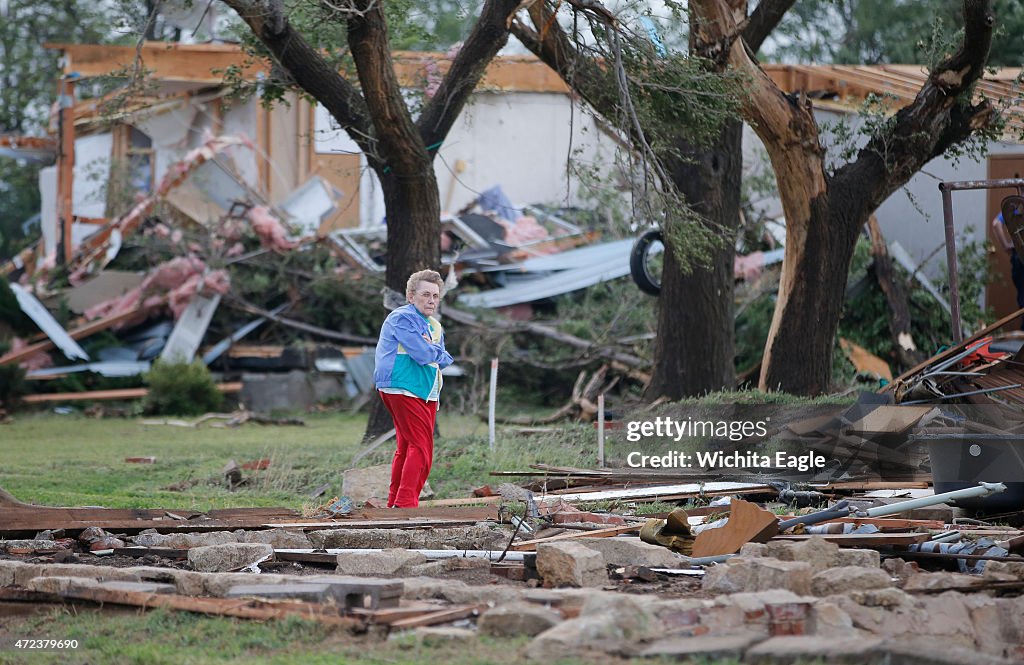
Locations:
(307, 66)
(489, 35)
(940, 116)
(395, 130)
(763, 20)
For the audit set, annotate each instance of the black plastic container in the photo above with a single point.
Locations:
(964, 460)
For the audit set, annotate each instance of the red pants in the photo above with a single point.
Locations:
(414, 434)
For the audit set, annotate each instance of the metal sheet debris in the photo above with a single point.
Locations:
(42, 318)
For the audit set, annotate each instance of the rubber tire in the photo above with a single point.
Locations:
(638, 265)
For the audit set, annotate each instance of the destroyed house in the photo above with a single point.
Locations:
(514, 133)
(911, 219)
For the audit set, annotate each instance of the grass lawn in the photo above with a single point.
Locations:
(162, 637)
(73, 460)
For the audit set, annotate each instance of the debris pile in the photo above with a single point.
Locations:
(753, 585)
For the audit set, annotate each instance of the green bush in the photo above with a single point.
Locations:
(12, 384)
(181, 389)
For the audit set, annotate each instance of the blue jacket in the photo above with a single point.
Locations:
(404, 359)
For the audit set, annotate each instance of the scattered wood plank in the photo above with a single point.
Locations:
(20, 517)
(232, 607)
(164, 552)
(868, 540)
(392, 614)
(475, 513)
(855, 486)
(668, 491)
(377, 524)
(466, 501)
(531, 545)
(747, 524)
(121, 393)
(888, 419)
(884, 523)
(439, 616)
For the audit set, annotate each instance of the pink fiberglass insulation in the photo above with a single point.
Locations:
(271, 232)
(33, 362)
(175, 281)
(524, 230)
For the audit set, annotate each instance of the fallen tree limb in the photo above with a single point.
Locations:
(506, 325)
(120, 393)
(896, 295)
(298, 325)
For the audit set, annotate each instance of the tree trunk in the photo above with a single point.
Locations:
(798, 354)
(896, 295)
(694, 350)
(414, 230)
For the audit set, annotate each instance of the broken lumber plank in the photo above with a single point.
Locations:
(863, 539)
(239, 608)
(531, 545)
(320, 558)
(874, 485)
(440, 616)
(121, 393)
(164, 552)
(747, 523)
(20, 518)
(475, 513)
(884, 523)
(465, 501)
(411, 523)
(666, 491)
(392, 614)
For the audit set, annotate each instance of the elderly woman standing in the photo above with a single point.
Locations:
(409, 359)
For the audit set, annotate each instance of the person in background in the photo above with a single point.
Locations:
(1005, 243)
(408, 362)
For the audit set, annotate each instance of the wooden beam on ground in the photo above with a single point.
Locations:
(119, 394)
(884, 523)
(531, 545)
(21, 518)
(390, 615)
(870, 486)
(475, 513)
(232, 607)
(424, 523)
(868, 540)
(440, 616)
(467, 501)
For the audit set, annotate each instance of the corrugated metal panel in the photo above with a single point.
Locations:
(611, 262)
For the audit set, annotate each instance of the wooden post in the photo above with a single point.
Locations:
(491, 401)
(600, 431)
(66, 168)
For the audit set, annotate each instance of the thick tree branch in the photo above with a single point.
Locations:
(939, 117)
(307, 67)
(786, 126)
(583, 74)
(399, 146)
(763, 20)
(489, 35)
